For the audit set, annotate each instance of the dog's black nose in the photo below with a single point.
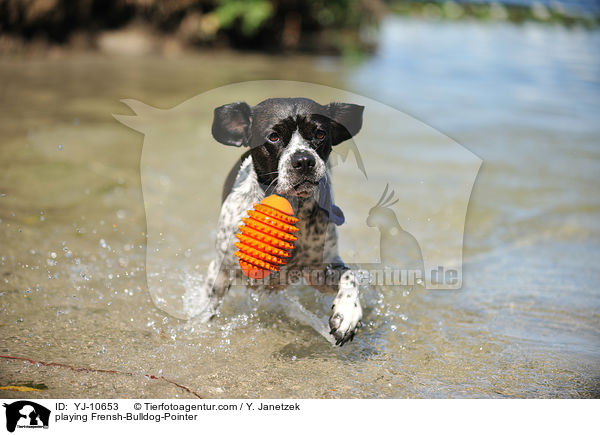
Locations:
(303, 162)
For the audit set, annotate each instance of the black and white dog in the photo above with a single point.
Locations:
(290, 140)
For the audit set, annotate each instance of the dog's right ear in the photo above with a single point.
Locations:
(231, 124)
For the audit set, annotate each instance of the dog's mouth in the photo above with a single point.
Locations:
(304, 188)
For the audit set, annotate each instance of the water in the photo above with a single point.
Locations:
(526, 323)
(568, 7)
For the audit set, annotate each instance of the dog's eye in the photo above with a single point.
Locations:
(273, 137)
(320, 134)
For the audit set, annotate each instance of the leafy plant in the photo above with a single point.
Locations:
(252, 14)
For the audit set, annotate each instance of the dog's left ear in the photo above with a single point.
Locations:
(347, 120)
(231, 124)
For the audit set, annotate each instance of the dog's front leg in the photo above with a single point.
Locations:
(217, 284)
(347, 312)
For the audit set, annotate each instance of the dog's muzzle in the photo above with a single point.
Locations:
(303, 174)
(300, 170)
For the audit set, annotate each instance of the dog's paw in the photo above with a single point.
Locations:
(347, 312)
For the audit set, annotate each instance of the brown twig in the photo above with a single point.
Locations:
(88, 370)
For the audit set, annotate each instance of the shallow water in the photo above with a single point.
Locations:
(526, 323)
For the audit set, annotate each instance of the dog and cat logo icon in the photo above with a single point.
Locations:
(25, 414)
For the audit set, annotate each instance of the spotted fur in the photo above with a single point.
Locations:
(270, 167)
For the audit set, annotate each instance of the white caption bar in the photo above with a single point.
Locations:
(33, 416)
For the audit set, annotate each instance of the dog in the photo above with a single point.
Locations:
(289, 141)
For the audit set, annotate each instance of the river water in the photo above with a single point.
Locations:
(525, 100)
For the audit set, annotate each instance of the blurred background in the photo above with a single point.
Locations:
(315, 26)
(516, 82)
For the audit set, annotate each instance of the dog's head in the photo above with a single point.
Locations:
(291, 138)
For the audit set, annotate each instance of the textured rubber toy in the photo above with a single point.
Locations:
(266, 237)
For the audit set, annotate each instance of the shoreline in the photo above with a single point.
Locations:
(140, 37)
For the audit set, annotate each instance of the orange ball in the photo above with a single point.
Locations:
(266, 237)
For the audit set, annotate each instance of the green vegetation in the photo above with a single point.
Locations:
(345, 27)
(251, 14)
(272, 25)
